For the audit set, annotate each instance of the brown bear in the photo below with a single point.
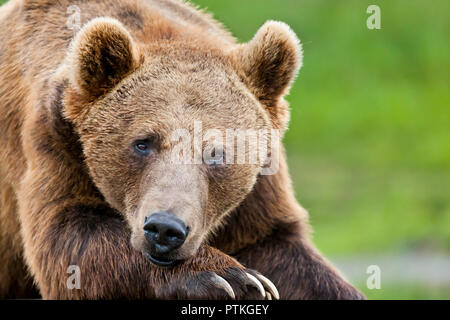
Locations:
(91, 92)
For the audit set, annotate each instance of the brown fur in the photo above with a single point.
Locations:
(73, 193)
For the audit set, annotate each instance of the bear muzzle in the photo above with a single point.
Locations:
(164, 233)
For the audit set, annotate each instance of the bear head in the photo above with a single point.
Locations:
(155, 121)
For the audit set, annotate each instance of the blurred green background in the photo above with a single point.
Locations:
(369, 138)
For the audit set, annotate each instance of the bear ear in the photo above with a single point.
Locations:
(102, 53)
(270, 62)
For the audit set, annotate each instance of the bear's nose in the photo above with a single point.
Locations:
(164, 232)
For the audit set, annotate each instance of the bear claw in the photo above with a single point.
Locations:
(222, 283)
(256, 283)
(270, 287)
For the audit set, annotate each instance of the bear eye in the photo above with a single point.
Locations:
(214, 156)
(143, 147)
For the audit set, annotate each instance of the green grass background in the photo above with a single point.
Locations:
(369, 138)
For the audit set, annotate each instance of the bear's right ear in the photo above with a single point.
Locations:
(102, 53)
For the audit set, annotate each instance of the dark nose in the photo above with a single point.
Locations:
(164, 232)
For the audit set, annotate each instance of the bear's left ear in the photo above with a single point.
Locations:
(269, 63)
(101, 55)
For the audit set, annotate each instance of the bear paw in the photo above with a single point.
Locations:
(231, 283)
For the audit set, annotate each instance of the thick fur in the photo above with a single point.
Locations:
(67, 102)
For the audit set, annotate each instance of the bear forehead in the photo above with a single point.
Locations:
(168, 93)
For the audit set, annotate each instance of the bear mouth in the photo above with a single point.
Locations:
(161, 262)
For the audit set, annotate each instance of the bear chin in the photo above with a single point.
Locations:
(161, 262)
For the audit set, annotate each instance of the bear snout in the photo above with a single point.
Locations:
(164, 233)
